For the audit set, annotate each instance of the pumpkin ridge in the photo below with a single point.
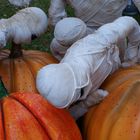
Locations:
(13, 97)
(23, 76)
(18, 121)
(122, 73)
(3, 124)
(43, 56)
(42, 60)
(108, 116)
(14, 69)
(123, 106)
(114, 117)
(116, 83)
(12, 79)
(4, 93)
(45, 113)
(86, 124)
(30, 68)
(117, 117)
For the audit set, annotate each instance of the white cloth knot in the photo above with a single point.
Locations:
(112, 54)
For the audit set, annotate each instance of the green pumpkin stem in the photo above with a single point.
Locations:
(3, 90)
(16, 51)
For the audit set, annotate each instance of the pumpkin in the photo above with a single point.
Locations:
(117, 117)
(19, 68)
(31, 117)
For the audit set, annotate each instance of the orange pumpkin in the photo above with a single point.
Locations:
(31, 117)
(118, 116)
(19, 67)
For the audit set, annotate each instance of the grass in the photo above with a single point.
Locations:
(43, 42)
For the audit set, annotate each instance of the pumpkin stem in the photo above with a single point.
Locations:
(3, 90)
(16, 50)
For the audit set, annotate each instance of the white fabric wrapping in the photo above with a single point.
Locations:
(25, 23)
(130, 29)
(57, 50)
(90, 61)
(56, 11)
(77, 110)
(137, 4)
(60, 99)
(75, 29)
(3, 40)
(94, 13)
(20, 3)
(69, 30)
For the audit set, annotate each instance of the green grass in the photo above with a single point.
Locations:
(43, 42)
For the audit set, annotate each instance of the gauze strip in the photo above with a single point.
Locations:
(74, 30)
(20, 3)
(137, 4)
(86, 64)
(59, 96)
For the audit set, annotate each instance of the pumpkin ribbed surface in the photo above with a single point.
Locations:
(26, 116)
(118, 116)
(19, 73)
